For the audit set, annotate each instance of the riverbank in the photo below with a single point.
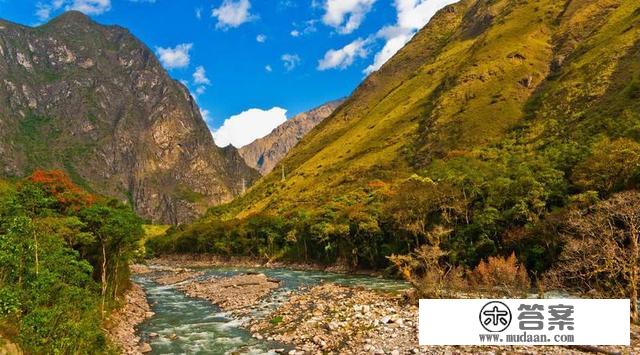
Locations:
(326, 317)
(177, 261)
(124, 321)
(336, 319)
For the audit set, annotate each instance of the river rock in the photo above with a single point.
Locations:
(145, 348)
(237, 294)
(135, 310)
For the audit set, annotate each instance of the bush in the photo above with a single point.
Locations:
(500, 275)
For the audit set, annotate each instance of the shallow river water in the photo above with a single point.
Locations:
(185, 325)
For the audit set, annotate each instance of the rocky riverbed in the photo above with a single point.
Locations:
(236, 294)
(314, 317)
(211, 261)
(124, 322)
(345, 320)
(177, 276)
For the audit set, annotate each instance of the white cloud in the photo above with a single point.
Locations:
(287, 4)
(304, 28)
(206, 115)
(90, 7)
(391, 47)
(268, 68)
(200, 90)
(177, 57)
(290, 61)
(343, 57)
(232, 13)
(44, 10)
(346, 15)
(200, 76)
(199, 13)
(247, 126)
(261, 38)
(412, 15)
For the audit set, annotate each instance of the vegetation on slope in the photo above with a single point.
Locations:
(63, 263)
(478, 140)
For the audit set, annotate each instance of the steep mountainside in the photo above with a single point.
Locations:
(94, 101)
(543, 78)
(264, 153)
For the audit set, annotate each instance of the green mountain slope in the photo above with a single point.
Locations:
(477, 73)
(496, 118)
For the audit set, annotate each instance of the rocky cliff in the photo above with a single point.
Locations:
(94, 101)
(264, 153)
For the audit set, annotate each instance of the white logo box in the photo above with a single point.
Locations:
(459, 322)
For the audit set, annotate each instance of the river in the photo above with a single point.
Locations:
(185, 325)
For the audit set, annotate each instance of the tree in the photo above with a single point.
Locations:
(426, 267)
(612, 166)
(116, 230)
(601, 254)
(48, 254)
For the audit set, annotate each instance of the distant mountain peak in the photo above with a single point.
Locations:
(263, 154)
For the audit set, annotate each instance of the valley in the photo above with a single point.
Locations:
(310, 311)
(494, 155)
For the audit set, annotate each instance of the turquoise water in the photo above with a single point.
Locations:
(185, 325)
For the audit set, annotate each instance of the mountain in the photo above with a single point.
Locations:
(264, 153)
(484, 85)
(94, 101)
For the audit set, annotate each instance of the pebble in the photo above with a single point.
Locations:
(145, 348)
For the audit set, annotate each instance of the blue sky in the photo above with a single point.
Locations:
(253, 63)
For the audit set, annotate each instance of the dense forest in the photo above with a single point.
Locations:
(465, 220)
(64, 257)
(503, 137)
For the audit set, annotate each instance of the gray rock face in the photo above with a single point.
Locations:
(94, 101)
(264, 153)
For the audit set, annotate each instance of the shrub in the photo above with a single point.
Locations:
(500, 275)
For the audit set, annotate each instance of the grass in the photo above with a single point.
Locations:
(36, 137)
(151, 231)
(185, 193)
(461, 86)
(154, 230)
(276, 320)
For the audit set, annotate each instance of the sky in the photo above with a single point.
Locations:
(252, 64)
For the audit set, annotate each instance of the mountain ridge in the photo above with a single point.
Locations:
(264, 153)
(94, 101)
(469, 80)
